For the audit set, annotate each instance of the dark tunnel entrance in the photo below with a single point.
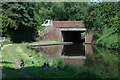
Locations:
(73, 36)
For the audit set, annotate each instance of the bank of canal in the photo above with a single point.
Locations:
(101, 60)
(98, 63)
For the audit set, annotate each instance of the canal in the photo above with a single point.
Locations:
(92, 57)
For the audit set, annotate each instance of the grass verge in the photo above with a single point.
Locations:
(20, 51)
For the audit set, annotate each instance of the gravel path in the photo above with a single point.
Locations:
(18, 64)
(16, 61)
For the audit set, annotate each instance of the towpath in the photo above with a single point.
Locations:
(16, 61)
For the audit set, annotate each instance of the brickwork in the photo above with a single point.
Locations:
(67, 24)
(53, 35)
(73, 61)
(89, 37)
(51, 51)
(88, 49)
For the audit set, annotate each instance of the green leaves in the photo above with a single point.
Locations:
(8, 22)
(104, 19)
(102, 14)
(18, 20)
(63, 11)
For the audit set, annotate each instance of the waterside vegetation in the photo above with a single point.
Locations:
(12, 55)
(22, 21)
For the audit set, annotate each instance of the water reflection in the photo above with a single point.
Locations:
(51, 52)
(74, 54)
(76, 49)
(103, 61)
(100, 59)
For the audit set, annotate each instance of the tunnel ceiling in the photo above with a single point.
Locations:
(72, 36)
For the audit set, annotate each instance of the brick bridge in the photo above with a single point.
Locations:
(67, 31)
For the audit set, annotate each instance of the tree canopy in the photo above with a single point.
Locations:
(20, 21)
(104, 19)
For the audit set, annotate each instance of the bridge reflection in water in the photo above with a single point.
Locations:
(74, 54)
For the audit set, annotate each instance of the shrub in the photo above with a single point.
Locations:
(7, 41)
(87, 74)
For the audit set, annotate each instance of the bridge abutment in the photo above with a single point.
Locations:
(68, 35)
(68, 31)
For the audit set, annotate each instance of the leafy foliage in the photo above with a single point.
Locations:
(7, 41)
(105, 62)
(104, 19)
(64, 11)
(19, 21)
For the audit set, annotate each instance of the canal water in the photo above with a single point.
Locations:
(99, 59)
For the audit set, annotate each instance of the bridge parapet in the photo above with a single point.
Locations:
(68, 24)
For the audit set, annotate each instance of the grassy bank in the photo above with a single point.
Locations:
(19, 51)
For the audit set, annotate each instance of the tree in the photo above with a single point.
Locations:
(104, 19)
(19, 21)
(63, 11)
